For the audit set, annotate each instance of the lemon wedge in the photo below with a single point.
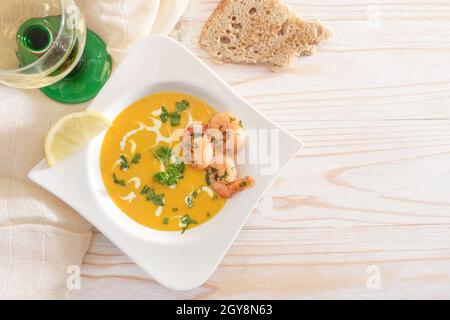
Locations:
(72, 132)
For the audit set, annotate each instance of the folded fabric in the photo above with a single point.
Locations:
(121, 22)
(42, 241)
(168, 15)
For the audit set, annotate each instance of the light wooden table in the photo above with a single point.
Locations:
(370, 194)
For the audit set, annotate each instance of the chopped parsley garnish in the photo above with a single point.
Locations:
(145, 190)
(165, 221)
(174, 172)
(174, 117)
(215, 197)
(136, 158)
(186, 221)
(207, 178)
(175, 209)
(190, 201)
(222, 177)
(149, 193)
(208, 214)
(164, 114)
(181, 106)
(243, 184)
(163, 154)
(123, 163)
(216, 174)
(164, 178)
(177, 166)
(190, 198)
(158, 200)
(119, 182)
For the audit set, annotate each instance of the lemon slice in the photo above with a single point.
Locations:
(71, 133)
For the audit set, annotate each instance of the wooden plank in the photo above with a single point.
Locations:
(291, 263)
(372, 185)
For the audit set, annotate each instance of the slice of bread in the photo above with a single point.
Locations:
(260, 31)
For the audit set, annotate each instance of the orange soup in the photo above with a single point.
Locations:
(142, 167)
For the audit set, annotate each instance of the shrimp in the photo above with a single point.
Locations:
(198, 149)
(227, 190)
(231, 128)
(223, 170)
(224, 180)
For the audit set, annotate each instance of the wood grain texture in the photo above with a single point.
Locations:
(372, 186)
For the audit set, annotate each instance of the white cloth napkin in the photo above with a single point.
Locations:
(43, 241)
(169, 13)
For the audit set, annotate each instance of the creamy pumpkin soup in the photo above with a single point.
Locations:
(148, 169)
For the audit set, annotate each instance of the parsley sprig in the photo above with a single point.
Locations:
(149, 193)
(163, 154)
(125, 165)
(186, 221)
(174, 171)
(181, 106)
(174, 117)
(190, 199)
(136, 159)
(118, 181)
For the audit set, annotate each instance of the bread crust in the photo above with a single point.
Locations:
(260, 31)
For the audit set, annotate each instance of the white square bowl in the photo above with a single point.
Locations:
(176, 261)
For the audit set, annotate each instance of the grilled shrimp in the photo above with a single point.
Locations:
(198, 149)
(227, 190)
(224, 180)
(231, 128)
(223, 170)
